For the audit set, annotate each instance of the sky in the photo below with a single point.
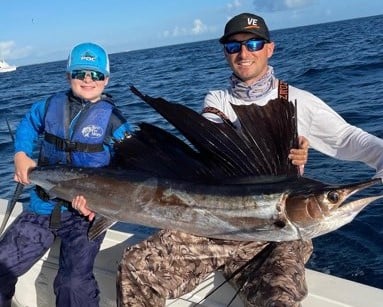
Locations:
(41, 31)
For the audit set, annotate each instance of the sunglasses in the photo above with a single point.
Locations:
(251, 45)
(82, 74)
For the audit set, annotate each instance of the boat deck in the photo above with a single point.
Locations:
(34, 289)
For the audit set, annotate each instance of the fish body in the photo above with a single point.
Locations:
(226, 183)
(284, 210)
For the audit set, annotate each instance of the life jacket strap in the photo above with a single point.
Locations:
(55, 220)
(69, 146)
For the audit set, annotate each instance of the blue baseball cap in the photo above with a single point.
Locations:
(88, 56)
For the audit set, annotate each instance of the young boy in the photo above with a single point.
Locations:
(78, 127)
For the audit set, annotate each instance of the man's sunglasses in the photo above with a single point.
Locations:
(82, 74)
(251, 45)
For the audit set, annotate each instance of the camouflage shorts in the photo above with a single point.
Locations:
(170, 264)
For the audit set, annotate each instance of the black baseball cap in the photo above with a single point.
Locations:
(246, 23)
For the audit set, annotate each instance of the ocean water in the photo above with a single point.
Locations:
(341, 62)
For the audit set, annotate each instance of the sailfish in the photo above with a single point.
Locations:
(215, 180)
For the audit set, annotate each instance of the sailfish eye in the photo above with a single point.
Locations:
(333, 196)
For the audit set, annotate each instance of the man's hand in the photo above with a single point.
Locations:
(299, 156)
(79, 203)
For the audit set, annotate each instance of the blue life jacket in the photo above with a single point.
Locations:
(78, 142)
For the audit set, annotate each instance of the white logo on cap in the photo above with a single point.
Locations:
(252, 21)
(88, 57)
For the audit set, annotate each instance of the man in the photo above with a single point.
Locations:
(79, 127)
(171, 263)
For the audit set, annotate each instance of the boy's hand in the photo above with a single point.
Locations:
(79, 203)
(23, 164)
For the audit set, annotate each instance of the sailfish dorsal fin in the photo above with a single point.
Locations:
(271, 131)
(219, 152)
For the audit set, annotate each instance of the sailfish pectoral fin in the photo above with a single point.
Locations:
(99, 225)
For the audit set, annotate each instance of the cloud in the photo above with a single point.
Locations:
(177, 31)
(10, 51)
(6, 48)
(280, 5)
(197, 28)
(234, 5)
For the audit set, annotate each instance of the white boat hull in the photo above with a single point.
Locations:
(5, 67)
(34, 289)
(8, 69)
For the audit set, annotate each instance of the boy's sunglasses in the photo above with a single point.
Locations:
(251, 45)
(82, 74)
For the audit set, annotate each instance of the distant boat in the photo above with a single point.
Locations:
(5, 67)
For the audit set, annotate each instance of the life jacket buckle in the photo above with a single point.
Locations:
(69, 146)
